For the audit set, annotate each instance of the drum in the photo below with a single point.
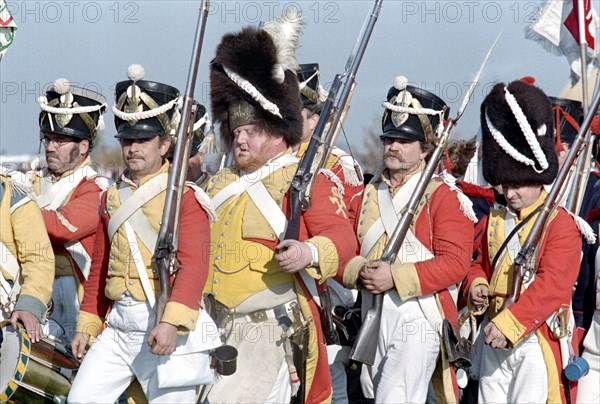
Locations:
(33, 373)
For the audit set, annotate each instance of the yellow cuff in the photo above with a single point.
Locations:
(477, 310)
(352, 271)
(328, 257)
(512, 329)
(180, 315)
(406, 280)
(89, 323)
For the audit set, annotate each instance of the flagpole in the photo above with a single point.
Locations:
(583, 53)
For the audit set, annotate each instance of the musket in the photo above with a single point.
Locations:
(365, 345)
(523, 263)
(306, 173)
(166, 244)
(582, 170)
(334, 110)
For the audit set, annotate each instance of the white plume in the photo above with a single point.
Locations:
(285, 32)
(135, 72)
(61, 86)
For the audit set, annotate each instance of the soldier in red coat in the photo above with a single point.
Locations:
(522, 350)
(341, 168)
(264, 285)
(124, 282)
(420, 288)
(68, 192)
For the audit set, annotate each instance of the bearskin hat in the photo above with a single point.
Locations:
(518, 136)
(253, 80)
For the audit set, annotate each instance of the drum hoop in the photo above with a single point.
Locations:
(15, 380)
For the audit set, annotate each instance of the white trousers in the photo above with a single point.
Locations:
(407, 352)
(516, 375)
(66, 308)
(262, 374)
(120, 354)
(588, 390)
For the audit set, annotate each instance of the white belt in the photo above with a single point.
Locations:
(259, 316)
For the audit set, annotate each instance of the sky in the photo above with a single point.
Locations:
(437, 45)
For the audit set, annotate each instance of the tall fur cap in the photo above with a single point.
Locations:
(252, 54)
(498, 166)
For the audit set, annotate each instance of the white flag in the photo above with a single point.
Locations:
(550, 31)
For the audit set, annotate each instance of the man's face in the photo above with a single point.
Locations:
(521, 197)
(253, 147)
(64, 153)
(144, 156)
(401, 155)
(309, 123)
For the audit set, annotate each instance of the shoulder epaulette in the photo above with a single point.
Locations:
(466, 205)
(584, 227)
(203, 200)
(21, 193)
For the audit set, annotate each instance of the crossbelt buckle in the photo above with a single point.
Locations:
(258, 316)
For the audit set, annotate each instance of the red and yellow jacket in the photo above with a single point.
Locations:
(241, 230)
(444, 230)
(76, 220)
(556, 271)
(113, 269)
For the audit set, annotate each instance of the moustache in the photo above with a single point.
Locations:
(393, 154)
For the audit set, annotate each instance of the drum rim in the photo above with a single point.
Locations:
(23, 361)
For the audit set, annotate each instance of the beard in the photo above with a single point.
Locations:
(251, 162)
(58, 166)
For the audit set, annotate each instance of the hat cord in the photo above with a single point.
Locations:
(527, 130)
(508, 148)
(138, 116)
(411, 110)
(253, 92)
(43, 101)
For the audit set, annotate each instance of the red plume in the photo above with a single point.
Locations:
(528, 79)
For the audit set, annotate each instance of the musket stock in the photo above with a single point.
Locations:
(365, 345)
(166, 244)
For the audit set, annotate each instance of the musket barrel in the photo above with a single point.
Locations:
(166, 245)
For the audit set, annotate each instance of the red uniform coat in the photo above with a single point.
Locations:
(557, 269)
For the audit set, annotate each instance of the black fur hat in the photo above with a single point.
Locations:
(508, 156)
(253, 80)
